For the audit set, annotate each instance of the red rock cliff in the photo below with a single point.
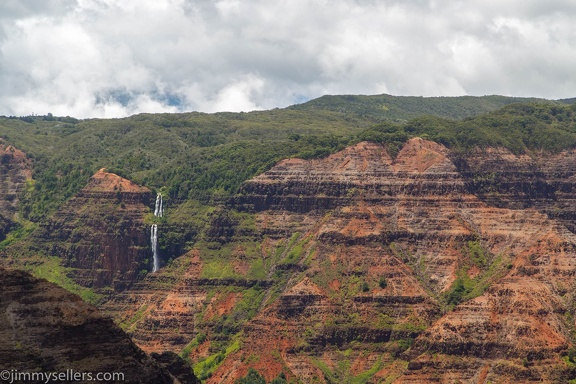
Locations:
(100, 232)
(377, 267)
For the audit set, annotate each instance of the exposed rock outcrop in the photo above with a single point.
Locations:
(160, 312)
(375, 267)
(100, 233)
(546, 182)
(46, 329)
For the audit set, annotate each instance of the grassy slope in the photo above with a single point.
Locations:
(403, 108)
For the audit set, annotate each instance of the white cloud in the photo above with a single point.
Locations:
(238, 96)
(89, 58)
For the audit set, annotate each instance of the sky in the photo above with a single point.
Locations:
(115, 58)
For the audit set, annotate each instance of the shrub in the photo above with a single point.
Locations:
(382, 283)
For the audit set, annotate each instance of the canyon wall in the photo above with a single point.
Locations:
(100, 233)
(361, 266)
(429, 266)
(15, 171)
(44, 328)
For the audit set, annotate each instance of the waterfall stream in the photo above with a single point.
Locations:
(158, 212)
(158, 208)
(154, 242)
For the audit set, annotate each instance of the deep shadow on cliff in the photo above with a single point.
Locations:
(44, 328)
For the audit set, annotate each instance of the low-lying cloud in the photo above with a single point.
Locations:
(111, 58)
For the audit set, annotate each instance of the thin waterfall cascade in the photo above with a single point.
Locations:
(158, 212)
(159, 207)
(154, 242)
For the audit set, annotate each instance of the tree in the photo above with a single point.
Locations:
(252, 377)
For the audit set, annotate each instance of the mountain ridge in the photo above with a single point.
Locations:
(389, 107)
(361, 256)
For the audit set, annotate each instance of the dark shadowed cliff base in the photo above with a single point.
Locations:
(45, 329)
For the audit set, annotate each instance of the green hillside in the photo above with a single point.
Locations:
(198, 161)
(207, 156)
(402, 108)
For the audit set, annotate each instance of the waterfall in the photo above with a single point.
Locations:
(158, 208)
(154, 242)
(158, 212)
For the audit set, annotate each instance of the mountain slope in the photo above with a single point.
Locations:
(47, 329)
(363, 266)
(298, 242)
(191, 154)
(388, 107)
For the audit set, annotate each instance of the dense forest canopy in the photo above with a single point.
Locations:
(208, 156)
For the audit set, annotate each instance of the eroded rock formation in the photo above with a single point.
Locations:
(361, 266)
(44, 328)
(100, 233)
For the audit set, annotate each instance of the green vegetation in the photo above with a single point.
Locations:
(206, 157)
(460, 288)
(216, 260)
(403, 108)
(254, 377)
(205, 368)
(130, 323)
(52, 271)
(476, 253)
(20, 233)
(341, 373)
(199, 339)
(296, 248)
(382, 283)
(518, 127)
(465, 287)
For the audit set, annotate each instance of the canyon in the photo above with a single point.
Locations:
(364, 267)
(425, 265)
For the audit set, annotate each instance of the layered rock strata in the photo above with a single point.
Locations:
(542, 181)
(46, 329)
(375, 266)
(160, 312)
(100, 233)
(422, 208)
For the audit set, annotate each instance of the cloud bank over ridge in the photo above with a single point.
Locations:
(112, 58)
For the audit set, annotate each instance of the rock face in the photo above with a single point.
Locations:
(15, 171)
(100, 233)
(503, 179)
(44, 328)
(364, 172)
(515, 331)
(426, 267)
(160, 312)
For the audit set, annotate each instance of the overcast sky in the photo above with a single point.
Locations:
(113, 58)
